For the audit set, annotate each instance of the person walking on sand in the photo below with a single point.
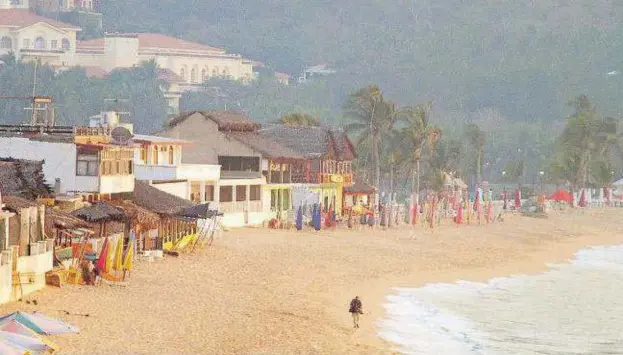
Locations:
(356, 308)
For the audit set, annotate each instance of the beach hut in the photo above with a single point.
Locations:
(107, 218)
(143, 222)
(174, 228)
(359, 194)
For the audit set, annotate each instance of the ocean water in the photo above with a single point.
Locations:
(575, 308)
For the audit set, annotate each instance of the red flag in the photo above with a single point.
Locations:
(101, 262)
(459, 215)
(415, 213)
(518, 198)
(329, 220)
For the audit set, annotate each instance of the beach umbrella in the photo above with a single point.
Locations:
(6, 349)
(127, 261)
(459, 215)
(518, 198)
(505, 198)
(350, 218)
(13, 326)
(562, 196)
(22, 342)
(316, 219)
(40, 323)
(101, 262)
(582, 202)
(118, 261)
(299, 219)
(489, 212)
(329, 220)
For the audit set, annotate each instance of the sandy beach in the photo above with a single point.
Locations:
(260, 291)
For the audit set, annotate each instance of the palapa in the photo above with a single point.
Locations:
(138, 215)
(100, 212)
(158, 201)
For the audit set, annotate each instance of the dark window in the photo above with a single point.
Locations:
(209, 193)
(87, 165)
(6, 43)
(229, 163)
(241, 193)
(255, 192)
(226, 194)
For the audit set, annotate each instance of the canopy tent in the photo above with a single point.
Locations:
(562, 196)
(40, 323)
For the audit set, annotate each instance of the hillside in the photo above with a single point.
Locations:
(466, 55)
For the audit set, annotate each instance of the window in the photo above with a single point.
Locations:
(155, 156)
(144, 154)
(241, 193)
(66, 45)
(209, 195)
(87, 164)
(274, 200)
(26, 43)
(193, 75)
(215, 71)
(171, 155)
(226, 71)
(255, 192)
(183, 73)
(226, 194)
(6, 43)
(229, 163)
(54, 44)
(130, 167)
(204, 74)
(39, 43)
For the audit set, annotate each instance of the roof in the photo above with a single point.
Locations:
(55, 218)
(22, 178)
(156, 200)
(311, 142)
(266, 146)
(15, 204)
(226, 120)
(152, 40)
(359, 188)
(25, 18)
(138, 214)
(158, 139)
(100, 212)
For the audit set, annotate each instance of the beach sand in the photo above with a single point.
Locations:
(260, 291)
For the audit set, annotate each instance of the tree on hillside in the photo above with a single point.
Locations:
(372, 118)
(476, 138)
(299, 119)
(417, 134)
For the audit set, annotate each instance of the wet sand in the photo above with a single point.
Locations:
(260, 291)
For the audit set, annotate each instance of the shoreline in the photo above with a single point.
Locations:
(260, 291)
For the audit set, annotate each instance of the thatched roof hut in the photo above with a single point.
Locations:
(100, 212)
(138, 215)
(58, 219)
(158, 201)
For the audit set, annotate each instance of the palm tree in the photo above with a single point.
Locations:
(476, 138)
(372, 118)
(299, 119)
(418, 133)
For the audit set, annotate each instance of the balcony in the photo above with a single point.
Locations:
(203, 172)
(155, 172)
(39, 52)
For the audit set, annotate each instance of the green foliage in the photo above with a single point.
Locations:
(77, 97)
(299, 119)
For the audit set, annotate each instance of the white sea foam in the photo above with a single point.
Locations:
(574, 308)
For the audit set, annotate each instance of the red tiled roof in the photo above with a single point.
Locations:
(24, 18)
(153, 40)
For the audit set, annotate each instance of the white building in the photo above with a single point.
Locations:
(81, 160)
(33, 37)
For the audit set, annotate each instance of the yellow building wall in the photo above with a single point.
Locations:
(331, 191)
(49, 34)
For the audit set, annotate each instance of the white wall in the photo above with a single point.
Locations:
(114, 184)
(178, 188)
(152, 172)
(201, 172)
(60, 158)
